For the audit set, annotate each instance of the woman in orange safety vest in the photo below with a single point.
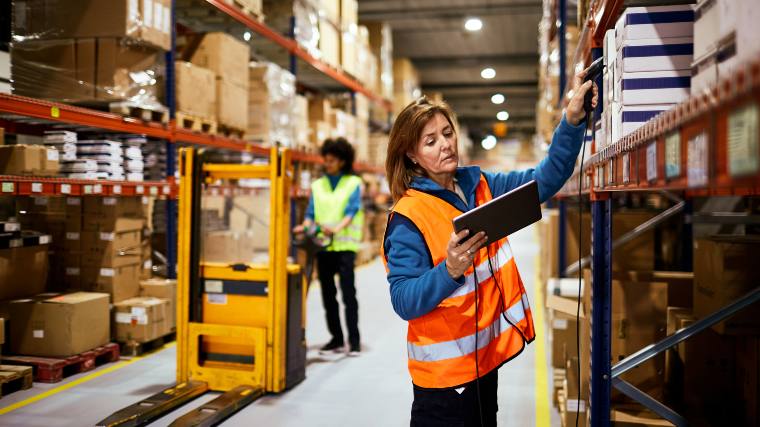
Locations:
(457, 338)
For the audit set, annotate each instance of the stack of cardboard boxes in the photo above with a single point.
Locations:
(406, 84)
(228, 58)
(272, 105)
(649, 56)
(90, 51)
(381, 46)
(195, 91)
(34, 160)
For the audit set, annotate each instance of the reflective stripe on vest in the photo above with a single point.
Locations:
(441, 343)
(330, 208)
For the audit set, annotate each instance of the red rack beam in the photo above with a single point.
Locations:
(292, 46)
(63, 113)
(50, 186)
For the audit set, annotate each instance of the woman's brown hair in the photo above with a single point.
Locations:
(404, 136)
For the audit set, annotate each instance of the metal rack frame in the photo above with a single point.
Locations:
(623, 167)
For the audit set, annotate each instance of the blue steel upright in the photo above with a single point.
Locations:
(601, 301)
(171, 160)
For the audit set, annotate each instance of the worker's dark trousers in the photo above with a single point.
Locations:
(342, 264)
(446, 407)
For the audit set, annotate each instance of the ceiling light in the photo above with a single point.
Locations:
(489, 142)
(488, 73)
(502, 115)
(247, 36)
(497, 99)
(473, 24)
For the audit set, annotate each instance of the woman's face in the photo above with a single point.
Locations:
(333, 165)
(437, 148)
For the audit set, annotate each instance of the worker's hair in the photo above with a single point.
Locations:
(340, 148)
(405, 135)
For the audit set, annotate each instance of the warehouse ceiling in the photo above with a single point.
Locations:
(450, 59)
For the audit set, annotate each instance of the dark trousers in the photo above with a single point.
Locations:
(446, 407)
(342, 264)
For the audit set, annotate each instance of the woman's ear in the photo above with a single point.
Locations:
(411, 158)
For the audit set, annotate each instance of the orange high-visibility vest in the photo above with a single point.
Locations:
(441, 344)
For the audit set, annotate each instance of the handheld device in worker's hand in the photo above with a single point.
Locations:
(503, 215)
(592, 72)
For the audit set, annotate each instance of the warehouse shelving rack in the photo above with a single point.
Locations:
(22, 113)
(684, 150)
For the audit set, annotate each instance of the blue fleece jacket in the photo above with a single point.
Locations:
(354, 202)
(416, 285)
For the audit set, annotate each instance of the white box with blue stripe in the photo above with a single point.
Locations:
(657, 22)
(674, 53)
(653, 87)
(628, 118)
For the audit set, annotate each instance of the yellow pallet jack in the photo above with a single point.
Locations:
(240, 326)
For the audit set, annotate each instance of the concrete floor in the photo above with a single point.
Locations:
(371, 390)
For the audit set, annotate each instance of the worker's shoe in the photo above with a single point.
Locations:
(332, 347)
(355, 350)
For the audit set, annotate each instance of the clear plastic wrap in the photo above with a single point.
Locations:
(271, 103)
(143, 21)
(281, 14)
(88, 70)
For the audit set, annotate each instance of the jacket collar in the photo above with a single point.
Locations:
(467, 177)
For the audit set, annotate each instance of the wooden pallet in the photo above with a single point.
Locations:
(134, 348)
(14, 378)
(246, 6)
(53, 370)
(148, 114)
(229, 132)
(195, 123)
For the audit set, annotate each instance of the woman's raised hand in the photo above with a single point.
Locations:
(461, 252)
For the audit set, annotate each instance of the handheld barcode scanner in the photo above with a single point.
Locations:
(592, 72)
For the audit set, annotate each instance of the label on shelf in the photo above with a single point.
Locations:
(36, 187)
(87, 189)
(45, 239)
(696, 159)
(38, 333)
(55, 112)
(673, 155)
(742, 142)
(117, 189)
(167, 189)
(65, 188)
(154, 191)
(611, 172)
(8, 187)
(107, 272)
(109, 201)
(139, 189)
(652, 162)
(626, 168)
(97, 188)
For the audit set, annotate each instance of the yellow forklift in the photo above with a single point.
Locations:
(240, 325)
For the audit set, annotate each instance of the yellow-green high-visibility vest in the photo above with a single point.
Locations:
(330, 208)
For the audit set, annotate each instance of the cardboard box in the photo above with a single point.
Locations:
(144, 20)
(195, 90)
(232, 105)
(127, 71)
(659, 54)
(23, 271)
(225, 55)
(165, 289)
(653, 87)
(654, 22)
(71, 264)
(319, 109)
(349, 51)
(61, 69)
(575, 399)
(329, 42)
(722, 274)
(110, 213)
(141, 319)
(19, 159)
(116, 248)
(119, 282)
(564, 334)
(59, 325)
